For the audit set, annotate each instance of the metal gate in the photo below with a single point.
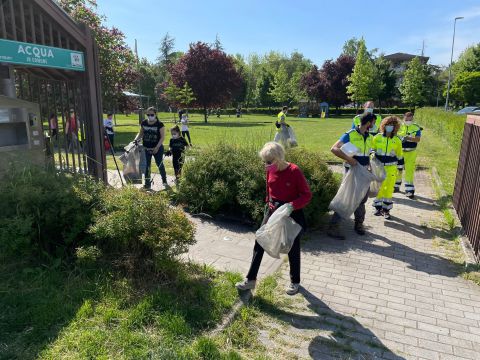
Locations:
(69, 100)
(466, 196)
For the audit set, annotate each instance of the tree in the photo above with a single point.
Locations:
(313, 85)
(351, 47)
(166, 47)
(210, 73)
(217, 44)
(386, 80)
(413, 87)
(118, 70)
(335, 78)
(178, 96)
(362, 82)
(466, 87)
(281, 90)
(468, 61)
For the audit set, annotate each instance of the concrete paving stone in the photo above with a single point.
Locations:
(435, 346)
(466, 353)
(463, 343)
(402, 338)
(402, 321)
(425, 319)
(422, 353)
(422, 334)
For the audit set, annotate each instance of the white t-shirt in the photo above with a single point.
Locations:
(108, 124)
(184, 124)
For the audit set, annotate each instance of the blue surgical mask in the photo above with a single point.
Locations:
(369, 110)
(389, 128)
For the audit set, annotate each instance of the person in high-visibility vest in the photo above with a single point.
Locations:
(410, 133)
(387, 147)
(361, 139)
(281, 125)
(368, 108)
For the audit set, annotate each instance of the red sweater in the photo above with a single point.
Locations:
(290, 186)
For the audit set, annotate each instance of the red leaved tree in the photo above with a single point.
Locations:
(334, 75)
(211, 75)
(313, 84)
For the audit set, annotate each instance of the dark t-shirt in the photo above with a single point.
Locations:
(177, 146)
(151, 133)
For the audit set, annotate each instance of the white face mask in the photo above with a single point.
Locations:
(409, 122)
(369, 110)
(175, 136)
(151, 117)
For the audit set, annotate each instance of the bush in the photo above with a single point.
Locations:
(231, 180)
(142, 225)
(46, 212)
(447, 125)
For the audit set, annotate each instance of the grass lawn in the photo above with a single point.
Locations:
(313, 134)
(92, 311)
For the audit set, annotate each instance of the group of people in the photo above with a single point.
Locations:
(152, 133)
(392, 141)
(73, 133)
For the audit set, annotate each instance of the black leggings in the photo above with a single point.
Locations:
(293, 254)
(188, 135)
(177, 161)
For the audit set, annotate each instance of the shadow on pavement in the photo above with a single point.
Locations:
(345, 337)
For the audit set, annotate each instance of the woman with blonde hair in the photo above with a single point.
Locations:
(286, 184)
(387, 147)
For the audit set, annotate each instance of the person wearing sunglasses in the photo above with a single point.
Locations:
(152, 133)
(286, 184)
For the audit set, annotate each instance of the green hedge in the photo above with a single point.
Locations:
(228, 179)
(447, 125)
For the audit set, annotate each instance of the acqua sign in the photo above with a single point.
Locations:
(15, 52)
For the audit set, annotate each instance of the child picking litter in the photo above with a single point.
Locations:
(177, 149)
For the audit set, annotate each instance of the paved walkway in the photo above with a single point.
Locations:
(388, 295)
(391, 294)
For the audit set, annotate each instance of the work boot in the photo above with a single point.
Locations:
(410, 195)
(378, 212)
(359, 228)
(386, 215)
(335, 232)
(396, 189)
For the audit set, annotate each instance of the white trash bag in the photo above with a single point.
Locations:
(355, 185)
(349, 149)
(378, 171)
(278, 234)
(131, 159)
(292, 139)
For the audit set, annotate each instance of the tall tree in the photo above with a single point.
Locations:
(167, 44)
(217, 44)
(362, 81)
(468, 61)
(281, 90)
(413, 87)
(210, 73)
(335, 78)
(313, 85)
(466, 87)
(351, 47)
(386, 80)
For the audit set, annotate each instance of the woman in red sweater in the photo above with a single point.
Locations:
(285, 184)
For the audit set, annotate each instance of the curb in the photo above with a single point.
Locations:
(464, 243)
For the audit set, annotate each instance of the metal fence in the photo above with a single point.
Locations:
(466, 196)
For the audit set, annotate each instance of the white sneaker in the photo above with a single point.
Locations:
(246, 285)
(292, 289)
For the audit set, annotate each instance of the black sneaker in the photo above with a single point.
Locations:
(410, 195)
(378, 212)
(386, 215)
(396, 190)
(359, 228)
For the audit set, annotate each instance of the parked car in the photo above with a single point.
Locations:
(468, 109)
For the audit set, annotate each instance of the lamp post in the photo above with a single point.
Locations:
(451, 60)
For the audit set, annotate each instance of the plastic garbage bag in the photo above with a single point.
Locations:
(378, 171)
(349, 149)
(278, 234)
(355, 185)
(131, 160)
(282, 135)
(292, 139)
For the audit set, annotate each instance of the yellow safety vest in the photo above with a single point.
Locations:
(357, 122)
(410, 130)
(363, 144)
(387, 149)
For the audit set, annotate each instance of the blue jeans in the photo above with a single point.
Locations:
(159, 161)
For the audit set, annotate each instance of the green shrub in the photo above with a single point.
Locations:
(142, 225)
(447, 125)
(46, 212)
(230, 179)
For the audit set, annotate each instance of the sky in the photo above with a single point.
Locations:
(318, 29)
